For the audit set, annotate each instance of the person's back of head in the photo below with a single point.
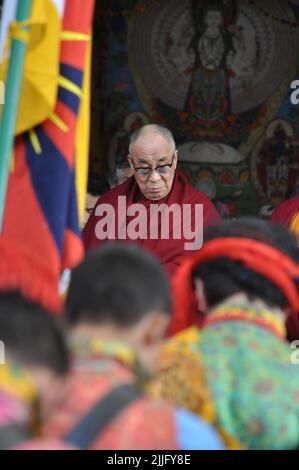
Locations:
(33, 342)
(226, 275)
(123, 289)
(118, 284)
(31, 335)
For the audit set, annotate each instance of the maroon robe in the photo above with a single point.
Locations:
(169, 251)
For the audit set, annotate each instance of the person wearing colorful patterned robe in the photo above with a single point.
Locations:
(236, 371)
(117, 308)
(33, 367)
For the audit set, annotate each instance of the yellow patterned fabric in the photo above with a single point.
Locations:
(179, 388)
(19, 403)
(181, 380)
(15, 381)
(85, 347)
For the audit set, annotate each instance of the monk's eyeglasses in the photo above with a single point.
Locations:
(146, 172)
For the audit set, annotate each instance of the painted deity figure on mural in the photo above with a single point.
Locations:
(278, 162)
(213, 46)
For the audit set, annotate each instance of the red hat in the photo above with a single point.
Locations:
(264, 259)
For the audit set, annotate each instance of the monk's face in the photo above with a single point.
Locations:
(154, 163)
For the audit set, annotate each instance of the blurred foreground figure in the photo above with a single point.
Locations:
(117, 309)
(237, 371)
(32, 372)
(97, 186)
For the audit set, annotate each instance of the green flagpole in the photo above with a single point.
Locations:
(10, 110)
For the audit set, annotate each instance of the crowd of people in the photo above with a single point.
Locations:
(160, 347)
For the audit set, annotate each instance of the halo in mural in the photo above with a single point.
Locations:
(160, 46)
(135, 120)
(286, 126)
(196, 152)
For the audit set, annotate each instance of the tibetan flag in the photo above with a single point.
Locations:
(41, 230)
(41, 68)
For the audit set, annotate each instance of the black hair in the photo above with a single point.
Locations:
(118, 284)
(224, 277)
(97, 184)
(30, 335)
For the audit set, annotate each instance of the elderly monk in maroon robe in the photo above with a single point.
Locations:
(156, 208)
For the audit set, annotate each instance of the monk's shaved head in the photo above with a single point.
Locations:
(148, 130)
(153, 158)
